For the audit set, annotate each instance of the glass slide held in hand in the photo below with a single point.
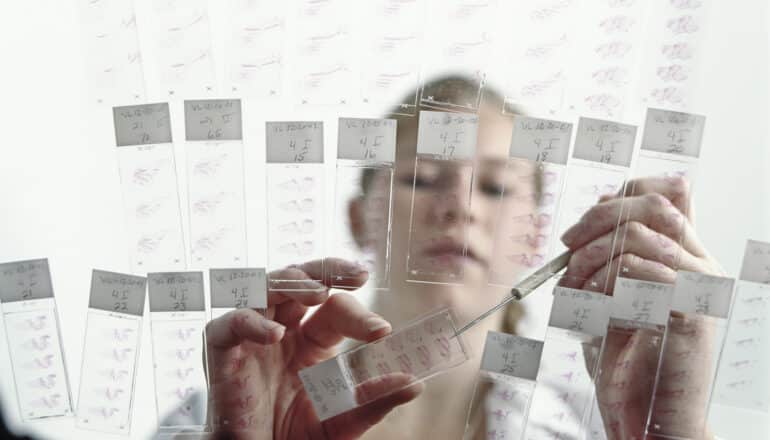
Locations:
(148, 181)
(215, 182)
(599, 166)
(34, 340)
(295, 200)
(443, 179)
(670, 148)
(366, 152)
(504, 388)
(533, 186)
(110, 352)
(416, 352)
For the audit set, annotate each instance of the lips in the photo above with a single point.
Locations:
(450, 249)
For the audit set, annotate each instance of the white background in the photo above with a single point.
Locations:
(60, 199)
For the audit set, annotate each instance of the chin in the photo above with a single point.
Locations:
(475, 275)
(473, 296)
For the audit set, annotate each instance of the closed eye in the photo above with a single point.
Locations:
(493, 190)
(418, 180)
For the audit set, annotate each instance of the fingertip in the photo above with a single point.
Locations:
(313, 298)
(569, 280)
(677, 314)
(354, 283)
(276, 336)
(606, 197)
(249, 324)
(376, 325)
(570, 236)
(567, 238)
(274, 331)
(406, 394)
(375, 407)
(382, 386)
(238, 325)
(345, 275)
(413, 391)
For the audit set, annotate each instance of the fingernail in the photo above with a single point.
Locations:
(569, 237)
(356, 269)
(375, 323)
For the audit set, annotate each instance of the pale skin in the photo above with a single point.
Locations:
(269, 350)
(254, 360)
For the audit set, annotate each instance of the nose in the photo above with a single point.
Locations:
(449, 204)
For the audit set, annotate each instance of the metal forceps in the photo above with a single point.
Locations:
(525, 287)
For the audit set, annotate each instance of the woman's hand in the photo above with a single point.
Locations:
(655, 238)
(254, 359)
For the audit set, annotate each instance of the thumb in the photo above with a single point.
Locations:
(382, 394)
(606, 197)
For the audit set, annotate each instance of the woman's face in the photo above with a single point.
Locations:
(457, 206)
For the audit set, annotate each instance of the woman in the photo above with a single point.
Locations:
(254, 359)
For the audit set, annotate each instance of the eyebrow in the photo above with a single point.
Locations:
(492, 161)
